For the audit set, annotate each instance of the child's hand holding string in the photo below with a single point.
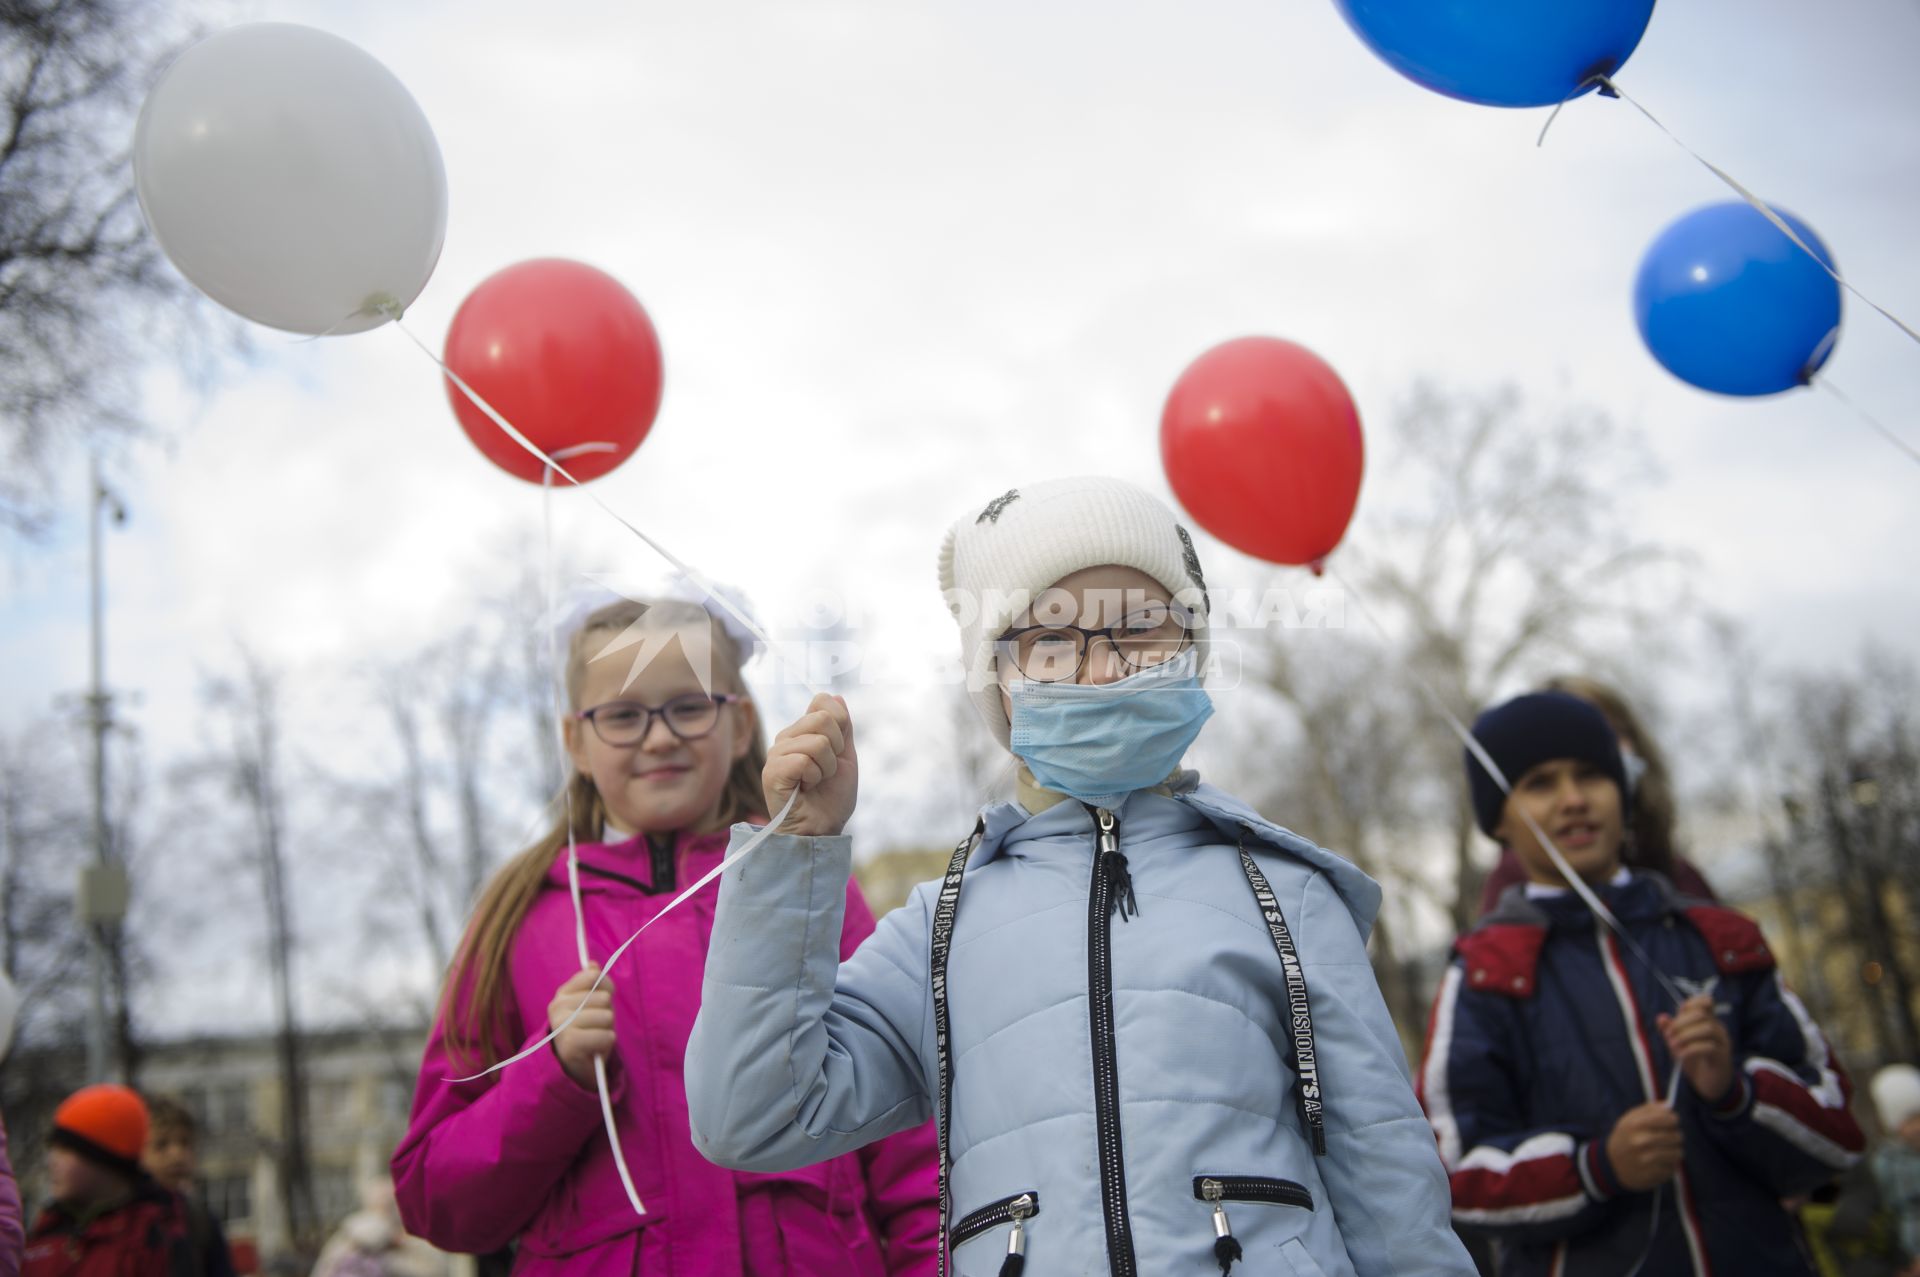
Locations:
(591, 1033)
(1645, 1146)
(1701, 1046)
(815, 754)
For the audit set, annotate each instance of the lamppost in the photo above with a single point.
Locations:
(101, 898)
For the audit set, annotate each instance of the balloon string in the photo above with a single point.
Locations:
(1759, 205)
(747, 848)
(326, 332)
(566, 797)
(1827, 385)
(1481, 756)
(393, 312)
(1605, 91)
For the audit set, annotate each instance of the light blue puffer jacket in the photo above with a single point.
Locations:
(798, 1057)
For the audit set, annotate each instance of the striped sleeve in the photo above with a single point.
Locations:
(1508, 1177)
(1789, 1116)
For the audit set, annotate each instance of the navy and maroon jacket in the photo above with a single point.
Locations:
(1543, 1034)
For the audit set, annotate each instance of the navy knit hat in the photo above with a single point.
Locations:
(1533, 729)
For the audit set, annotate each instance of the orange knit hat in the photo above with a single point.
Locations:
(105, 1123)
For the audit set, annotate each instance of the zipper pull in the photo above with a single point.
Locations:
(1016, 1260)
(1225, 1249)
(1114, 864)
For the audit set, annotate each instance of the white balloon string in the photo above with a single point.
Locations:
(1760, 206)
(1560, 106)
(555, 467)
(309, 337)
(1481, 756)
(566, 798)
(747, 848)
(599, 1061)
(1827, 385)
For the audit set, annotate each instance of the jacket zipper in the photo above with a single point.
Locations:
(1108, 866)
(1017, 1210)
(1251, 1188)
(664, 876)
(660, 860)
(1218, 1190)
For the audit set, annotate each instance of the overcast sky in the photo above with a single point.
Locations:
(903, 256)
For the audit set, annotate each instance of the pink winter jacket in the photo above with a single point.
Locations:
(522, 1154)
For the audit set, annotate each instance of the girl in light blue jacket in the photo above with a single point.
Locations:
(1142, 1014)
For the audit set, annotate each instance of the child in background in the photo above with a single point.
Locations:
(108, 1218)
(371, 1242)
(1650, 840)
(172, 1157)
(662, 767)
(1152, 1036)
(1553, 1044)
(1896, 1163)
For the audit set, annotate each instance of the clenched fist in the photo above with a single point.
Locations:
(1645, 1147)
(816, 755)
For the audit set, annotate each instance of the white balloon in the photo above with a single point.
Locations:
(292, 178)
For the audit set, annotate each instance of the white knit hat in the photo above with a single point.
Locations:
(997, 560)
(1896, 1094)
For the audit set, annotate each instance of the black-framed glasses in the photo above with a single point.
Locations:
(688, 717)
(1142, 638)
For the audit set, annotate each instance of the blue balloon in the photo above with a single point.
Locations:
(1726, 302)
(1501, 52)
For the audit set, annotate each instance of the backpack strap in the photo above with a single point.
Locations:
(944, 913)
(1306, 1063)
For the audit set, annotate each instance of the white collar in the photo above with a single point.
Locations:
(1540, 891)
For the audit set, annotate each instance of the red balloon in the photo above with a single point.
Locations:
(567, 355)
(1261, 443)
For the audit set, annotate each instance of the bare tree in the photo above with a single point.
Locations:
(251, 710)
(435, 817)
(1495, 549)
(83, 287)
(41, 825)
(1345, 781)
(1754, 754)
(1856, 811)
(1507, 548)
(471, 719)
(527, 653)
(129, 964)
(413, 791)
(43, 822)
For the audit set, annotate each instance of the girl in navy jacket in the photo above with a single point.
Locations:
(1586, 1121)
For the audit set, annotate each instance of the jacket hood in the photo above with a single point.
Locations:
(1189, 804)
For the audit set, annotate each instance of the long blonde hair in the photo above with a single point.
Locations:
(475, 1011)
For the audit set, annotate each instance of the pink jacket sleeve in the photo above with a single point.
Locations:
(13, 1236)
(480, 1157)
(901, 1170)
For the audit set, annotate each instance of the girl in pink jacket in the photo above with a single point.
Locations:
(667, 752)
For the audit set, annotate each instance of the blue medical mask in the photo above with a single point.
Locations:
(1099, 742)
